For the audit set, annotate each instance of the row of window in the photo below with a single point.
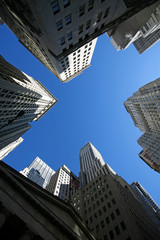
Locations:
(69, 37)
(55, 5)
(59, 24)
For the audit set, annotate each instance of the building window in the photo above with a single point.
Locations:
(113, 201)
(68, 19)
(109, 205)
(62, 40)
(106, 196)
(88, 24)
(81, 10)
(106, 12)
(123, 225)
(104, 209)
(111, 235)
(80, 29)
(117, 230)
(117, 212)
(112, 216)
(90, 4)
(66, 3)
(55, 7)
(107, 220)
(99, 17)
(59, 25)
(69, 36)
(102, 224)
(97, 228)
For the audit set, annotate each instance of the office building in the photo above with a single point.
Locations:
(150, 142)
(143, 107)
(39, 172)
(58, 32)
(148, 203)
(63, 184)
(29, 212)
(150, 32)
(130, 30)
(111, 209)
(22, 100)
(144, 43)
(91, 164)
(6, 150)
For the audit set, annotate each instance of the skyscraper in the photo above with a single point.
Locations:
(144, 43)
(39, 172)
(22, 100)
(150, 32)
(143, 195)
(143, 107)
(109, 206)
(149, 204)
(91, 164)
(150, 142)
(58, 32)
(63, 184)
(132, 29)
(6, 150)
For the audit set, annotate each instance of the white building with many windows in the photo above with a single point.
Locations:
(39, 172)
(63, 184)
(57, 32)
(22, 100)
(144, 108)
(6, 150)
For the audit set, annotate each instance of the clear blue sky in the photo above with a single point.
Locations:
(90, 108)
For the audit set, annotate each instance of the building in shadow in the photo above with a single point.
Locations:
(27, 211)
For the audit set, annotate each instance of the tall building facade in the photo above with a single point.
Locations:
(143, 107)
(22, 100)
(144, 43)
(111, 209)
(91, 164)
(39, 172)
(149, 204)
(6, 150)
(150, 32)
(140, 29)
(63, 184)
(150, 142)
(58, 32)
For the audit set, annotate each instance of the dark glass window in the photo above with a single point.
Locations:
(55, 7)
(111, 235)
(80, 29)
(117, 230)
(106, 12)
(81, 10)
(99, 17)
(90, 4)
(123, 225)
(59, 25)
(107, 220)
(88, 24)
(117, 212)
(69, 36)
(68, 19)
(112, 216)
(62, 40)
(66, 3)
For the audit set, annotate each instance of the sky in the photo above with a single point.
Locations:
(89, 109)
